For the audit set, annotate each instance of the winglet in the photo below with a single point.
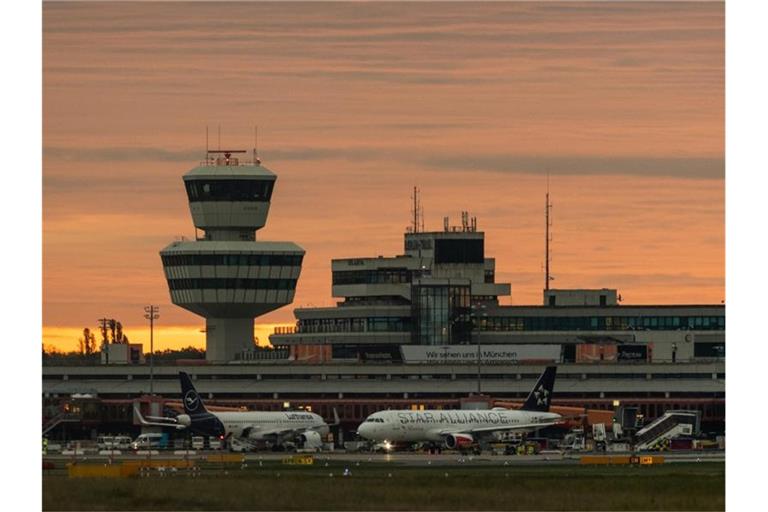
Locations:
(336, 419)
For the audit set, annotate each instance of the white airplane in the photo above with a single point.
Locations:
(461, 428)
(304, 429)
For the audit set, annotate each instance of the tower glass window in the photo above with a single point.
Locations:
(229, 190)
(441, 314)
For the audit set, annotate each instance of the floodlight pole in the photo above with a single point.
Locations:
(152, 313)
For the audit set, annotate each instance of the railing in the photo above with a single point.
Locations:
(285, 329)
(263, 355)
(64, 417)
(659, 428)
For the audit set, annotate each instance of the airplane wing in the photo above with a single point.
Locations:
(528, 426)
(157, 421)
(275, 432)
(501, 428)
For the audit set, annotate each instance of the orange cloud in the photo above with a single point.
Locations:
(622, 103)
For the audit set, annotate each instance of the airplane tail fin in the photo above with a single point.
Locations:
(539, 398)
(193, 404)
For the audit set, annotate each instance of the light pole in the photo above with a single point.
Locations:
(151, 313)
(474, 308)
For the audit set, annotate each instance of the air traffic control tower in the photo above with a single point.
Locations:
(225, 275)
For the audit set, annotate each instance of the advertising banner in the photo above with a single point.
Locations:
(489, 354)
(595, 353)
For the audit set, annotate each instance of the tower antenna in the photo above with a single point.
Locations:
(219, 137)
(547, 237)
(416, 211)
(206, 143)
(256, 144)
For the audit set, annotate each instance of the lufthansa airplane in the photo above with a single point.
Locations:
(461, 428)
(304, 429)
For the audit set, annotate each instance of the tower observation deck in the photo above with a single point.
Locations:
(226, 275)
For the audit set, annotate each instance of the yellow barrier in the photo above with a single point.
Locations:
(605, 459)
(621, 459)
(225, 457)
(299, 459)
(101, 470)
(160, 463)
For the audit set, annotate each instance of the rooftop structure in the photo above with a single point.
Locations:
(225, 275)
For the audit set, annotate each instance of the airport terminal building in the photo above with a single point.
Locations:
(421, 329)
(440, 297)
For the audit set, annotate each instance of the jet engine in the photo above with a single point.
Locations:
(453, 441)
(183, 420)
(309, 439)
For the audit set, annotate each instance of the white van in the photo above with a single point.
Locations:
(104, 442)
(150, 442)
(121, 443)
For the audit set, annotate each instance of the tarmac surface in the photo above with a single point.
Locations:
(401, 458)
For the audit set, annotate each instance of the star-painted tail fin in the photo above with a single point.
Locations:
(539, 398)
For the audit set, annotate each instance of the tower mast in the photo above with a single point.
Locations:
(547, 237)
(417, 216)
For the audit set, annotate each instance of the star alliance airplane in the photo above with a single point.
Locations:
(461, 428)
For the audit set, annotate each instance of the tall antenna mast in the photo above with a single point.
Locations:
(206, 143)
(416, 208)
(256, 145)
(547, 237)
(219, 137)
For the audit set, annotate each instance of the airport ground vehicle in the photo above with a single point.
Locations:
(104, 442)
(573, 441)
(151, 441)
(113, 442)
(121, 443)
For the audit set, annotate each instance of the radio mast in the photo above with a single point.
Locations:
(547, 237)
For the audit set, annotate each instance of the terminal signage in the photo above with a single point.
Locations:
(489, 354)
(633, 353)
(380, 354)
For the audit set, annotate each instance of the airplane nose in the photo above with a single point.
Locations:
(364, 430)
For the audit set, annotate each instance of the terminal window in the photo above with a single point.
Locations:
(467, 250)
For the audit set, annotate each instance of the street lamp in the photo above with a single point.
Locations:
(151, 313)
(473, 316)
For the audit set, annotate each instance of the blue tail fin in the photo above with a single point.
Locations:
(193, 404)
(539, 398)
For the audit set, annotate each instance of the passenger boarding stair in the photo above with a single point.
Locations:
(63, 417)
(669, 426)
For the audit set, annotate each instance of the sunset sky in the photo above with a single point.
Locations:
(621, 103)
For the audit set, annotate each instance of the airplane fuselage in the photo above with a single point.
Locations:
(258, 425)
(420, 426)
